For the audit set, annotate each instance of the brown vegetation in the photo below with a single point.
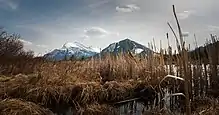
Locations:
(27, 84)
(20, 107)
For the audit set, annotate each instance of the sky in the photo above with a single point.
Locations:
(48, 24)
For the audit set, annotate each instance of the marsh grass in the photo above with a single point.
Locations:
(93, 86)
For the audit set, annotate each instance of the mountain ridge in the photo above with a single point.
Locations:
(78, 50)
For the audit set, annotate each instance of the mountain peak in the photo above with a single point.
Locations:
(69, 45)
(126, 45)
(69, 50)
(126, 39)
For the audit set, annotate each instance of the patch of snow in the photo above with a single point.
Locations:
(77, 45)
(69, 45)
(138, 50)
(81, 46)
(134, 45)
(96, 50)
(112, 47)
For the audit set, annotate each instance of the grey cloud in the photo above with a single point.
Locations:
(185, 34)
(127, 8)
(95, 32)
(12, 4)
(185, 14)
(98, 3)
(25, 42)
(213, 28)
(149, 19)
(42, 46)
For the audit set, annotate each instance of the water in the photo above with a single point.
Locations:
(131, 108)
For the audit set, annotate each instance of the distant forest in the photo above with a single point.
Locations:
(203, 54)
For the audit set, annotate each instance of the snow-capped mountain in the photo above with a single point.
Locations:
(125, 46)
(72, 50)
(78, 50)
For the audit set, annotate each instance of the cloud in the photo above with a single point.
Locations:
(185, 34)
(42, 46)
(127, 8)
(95, 32)
(27, 43)
(185, 14)
(98, 3)
(8, 4)
(213, 28)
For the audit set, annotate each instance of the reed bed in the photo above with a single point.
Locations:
(102, 82)
(105, 81)
(78, 95)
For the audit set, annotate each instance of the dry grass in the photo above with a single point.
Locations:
(91, 86)
(21, 107)
(97, 109)
(81, 93)
(206, 106)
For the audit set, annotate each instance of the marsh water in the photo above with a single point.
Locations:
(134, 107)
(129, 108)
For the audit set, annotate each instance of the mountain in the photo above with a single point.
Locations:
(125, 46)
(71, 50)
(77, 50)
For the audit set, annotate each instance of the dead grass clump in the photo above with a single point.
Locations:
(51, 96)
(88, 93)
(206, 106)
(15, 87)
(20, 107)
(4, 78)
(8, 90)
(110, 92)
(45, 95)
(97, 109)
(118, 91)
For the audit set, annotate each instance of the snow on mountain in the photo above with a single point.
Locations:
(138, 50)
(71, 50)
(96, 50)
(69, 45)
(111, 47)
(78, 50)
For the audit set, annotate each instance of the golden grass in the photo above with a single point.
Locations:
(80, 84)
(21, 107)
(97, 109)
(206, 106)
(81, 93)
(88, 84)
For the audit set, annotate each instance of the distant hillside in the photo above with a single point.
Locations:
(205, 52)
(202, 53)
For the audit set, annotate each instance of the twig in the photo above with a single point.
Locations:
(177, 41)
(186, 85)
(125, 101)
(175, 94)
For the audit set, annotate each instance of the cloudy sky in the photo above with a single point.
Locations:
(48, 24)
